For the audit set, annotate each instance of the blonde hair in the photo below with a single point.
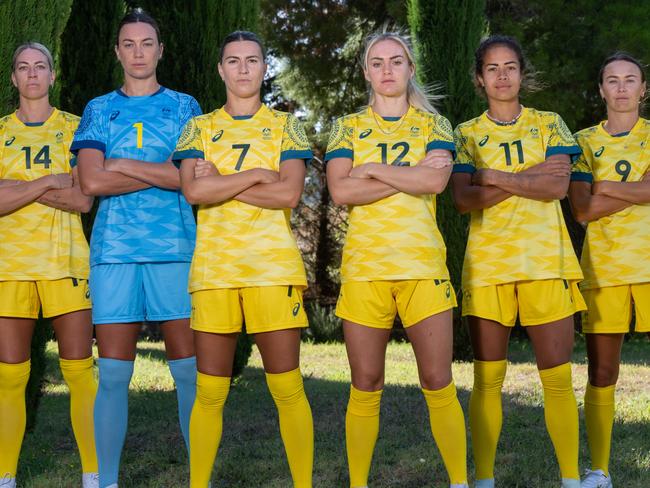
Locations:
(37, 46)
(420, 97)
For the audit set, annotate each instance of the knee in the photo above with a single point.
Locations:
(434, 380)
(368, 380)
(602, 375)
(114, 374)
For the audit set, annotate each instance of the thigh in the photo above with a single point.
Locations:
(74, 334)
(280, 350)
(59, 297)
(604, 353)
(165, 291)
(116, 293)
(215, 353)
(366, 348)
(179, 339)
(19, 299)
(552, 342)
(15, 339)
(117, 341)
(489, 339)
(432, 340)
(368, 303)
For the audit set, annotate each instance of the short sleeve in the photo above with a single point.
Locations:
(581, 170)
(440, 134)
(464, 161)
(91, 132)
(340, 141)
(295, 144)
(191, 108)
(560, 140)
(190, 143)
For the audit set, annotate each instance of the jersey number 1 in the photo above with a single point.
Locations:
(138, 134)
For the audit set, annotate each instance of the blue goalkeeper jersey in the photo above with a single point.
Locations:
(150, 225)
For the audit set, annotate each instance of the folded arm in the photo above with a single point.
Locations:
(636, 192)
(284, 193)
(69, 199)
(468, 197)
(96, 180)
(587, 207)
(162, 175)
(17, 195)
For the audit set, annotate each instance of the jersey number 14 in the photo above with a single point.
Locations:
(42, 157)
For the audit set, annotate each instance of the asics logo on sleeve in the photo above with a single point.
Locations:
(599, 152)
(483, 141)
(9, 142)
(217, 136)
(114, 115)
(365, 133)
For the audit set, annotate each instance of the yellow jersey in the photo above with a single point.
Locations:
(518, 239)
(395, 238)
(616, 246)
(39, 242)
(238, 244)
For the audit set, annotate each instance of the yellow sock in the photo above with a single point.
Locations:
(296, 424)
(448, 429)
(13, 380)
(486, 415)
(561, 415)
(206, 426)
(78, 375)
(599, 418)
(361, 430)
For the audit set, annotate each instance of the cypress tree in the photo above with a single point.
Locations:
(446, 34)
(20, 21)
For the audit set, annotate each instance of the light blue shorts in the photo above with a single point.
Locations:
(137, 292)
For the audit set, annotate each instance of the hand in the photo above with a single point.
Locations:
(362, 171)
(436, 161)
(266, 175)
(482, 177)
(112, 164)
(205, 168)
(60, 181)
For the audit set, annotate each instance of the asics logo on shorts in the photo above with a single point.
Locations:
(296, 309)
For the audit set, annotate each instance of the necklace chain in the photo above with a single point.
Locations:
(504, 122)
(385, 132)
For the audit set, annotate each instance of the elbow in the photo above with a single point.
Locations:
(89, 188)
(86, 205)
(294, 199)
(191, 197)
(338, 197)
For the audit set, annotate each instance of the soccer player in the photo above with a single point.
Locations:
(44, 264)
(144, 231)
(244, 165)
(512, 169)
(387, 163)
(610, 190)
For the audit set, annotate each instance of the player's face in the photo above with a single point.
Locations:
(242, 68)
(622, 87)
(32, 75)
(138, 50)
(388, 69)
(501, 74)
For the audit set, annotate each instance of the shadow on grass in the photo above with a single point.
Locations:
(252, 455)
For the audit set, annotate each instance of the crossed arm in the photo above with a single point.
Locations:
(61, 191)
(487, 187)
(202, 183)
(592, 201)
(370, 182)
(101, 177)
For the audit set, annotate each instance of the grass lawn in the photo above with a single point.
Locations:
(251, 453)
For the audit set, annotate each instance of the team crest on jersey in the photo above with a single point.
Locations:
(415, 131)
(483, 141)
(59, 137)
(9, 142)
(600, 151)
(534, 132)
(217, 136)
(114, 115)
(365, 133)
(166, 113)
(266, 133)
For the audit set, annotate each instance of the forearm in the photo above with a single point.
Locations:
(360, 191)
(636, 192)
(7, 182)
(162, 175)
(538, 186)
(415, 180)
(13, 197)
(270, 195)
(217, 188)
(474, 197)
(587, 207)
(68, 199)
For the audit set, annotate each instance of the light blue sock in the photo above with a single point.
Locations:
(184, 373)
(111, 416)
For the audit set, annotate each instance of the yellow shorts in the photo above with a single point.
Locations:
(262, 308)
(375, 303)
(609, 309)
(24, 299)
(537, 302)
